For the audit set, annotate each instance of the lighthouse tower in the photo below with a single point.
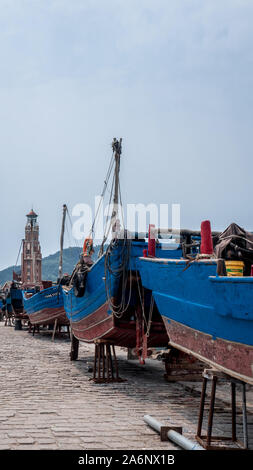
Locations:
(31, 254)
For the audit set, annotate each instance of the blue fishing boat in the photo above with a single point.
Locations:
(114, 306)
(45, 306)
(207, 312)
(16, 298)
(105, 300)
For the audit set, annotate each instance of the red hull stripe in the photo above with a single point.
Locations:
(48, 316)
(234, 359)
(100, 325)
(99, 315)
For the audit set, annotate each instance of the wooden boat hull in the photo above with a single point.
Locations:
(232, 358)
(48, 317)
(44, 307)
(205, 315)
(100, 325)
(91, 317)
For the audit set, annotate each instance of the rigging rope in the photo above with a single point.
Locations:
(121, 205)
(108, 175)
(113, 274)
(107, 230)
(18, 253)
(120, 274)
(151, 307)
(71, 225)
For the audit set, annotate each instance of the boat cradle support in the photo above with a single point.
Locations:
(74, 347)
(105, 368)
(207, 441)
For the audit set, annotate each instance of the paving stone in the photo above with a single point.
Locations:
(17, 434)
(26, 440)
(45, 440)
(62, 409)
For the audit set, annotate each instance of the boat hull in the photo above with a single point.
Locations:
(91, 317)
(100, 325)
(17, 304)
(46, 306)
(48, 317)
(205, 315)
(232, 358)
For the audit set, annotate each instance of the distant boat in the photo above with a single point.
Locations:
(12, 303)
(106, 300)
(16, 296)
(45, 307)
(206, 314)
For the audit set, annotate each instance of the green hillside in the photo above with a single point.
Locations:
(6, 274)
(50, 264)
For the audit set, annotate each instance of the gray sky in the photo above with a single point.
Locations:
(172, 77)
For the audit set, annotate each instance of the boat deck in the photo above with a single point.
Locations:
(178, 261)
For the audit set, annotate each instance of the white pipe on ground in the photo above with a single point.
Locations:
(173, 436)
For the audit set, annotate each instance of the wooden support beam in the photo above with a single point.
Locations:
(55, 326)
(74, 348)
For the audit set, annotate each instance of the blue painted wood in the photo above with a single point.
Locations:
(77, 308)
(16, 298)
(16, 294)
(46, 299)
(194, 296)
(94, 297)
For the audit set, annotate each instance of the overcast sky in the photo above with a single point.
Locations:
(173, 78)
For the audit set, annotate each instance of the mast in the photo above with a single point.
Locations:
(62, 240)
(33, 279)
(116, 145)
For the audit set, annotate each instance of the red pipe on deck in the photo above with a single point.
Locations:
(206, 246)
(151, 240)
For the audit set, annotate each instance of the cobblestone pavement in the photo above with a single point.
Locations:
(47, 402)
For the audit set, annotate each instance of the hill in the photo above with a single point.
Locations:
(50, 264)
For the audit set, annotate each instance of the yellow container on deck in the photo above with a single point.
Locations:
(234, 268)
